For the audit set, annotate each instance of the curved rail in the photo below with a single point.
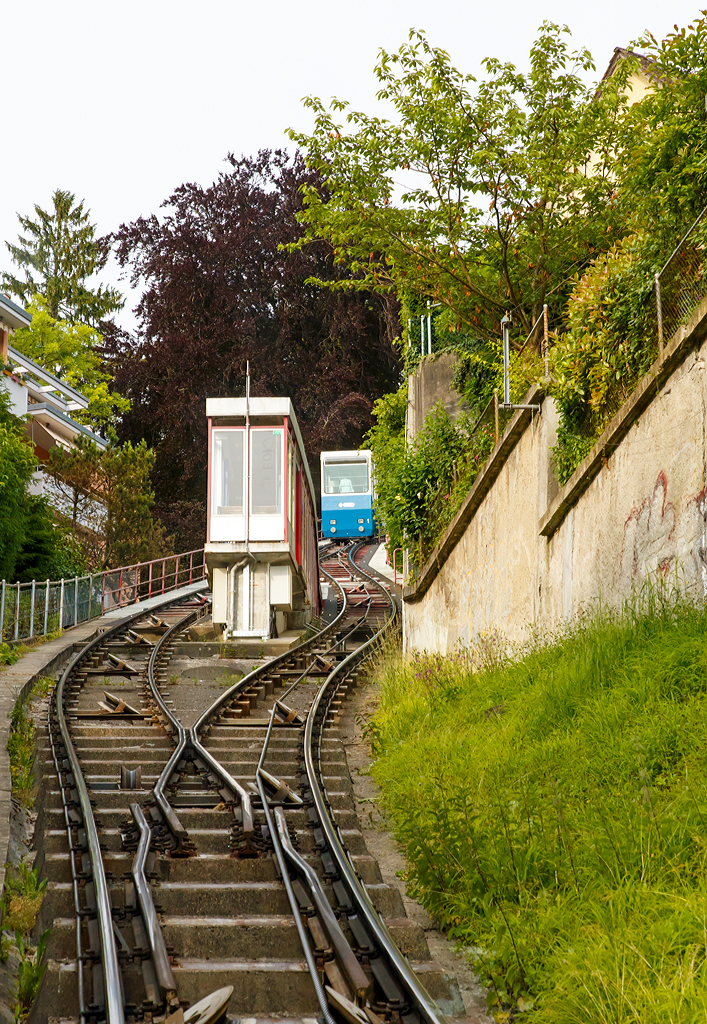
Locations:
(173, 822)
(113, 986)
(420, 997)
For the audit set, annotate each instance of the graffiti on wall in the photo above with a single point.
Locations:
(660, 539)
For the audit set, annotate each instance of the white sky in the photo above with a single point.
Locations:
(122, 102)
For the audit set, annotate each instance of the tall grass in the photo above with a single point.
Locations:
(553, 810)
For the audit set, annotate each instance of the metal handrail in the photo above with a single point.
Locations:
(97, 591)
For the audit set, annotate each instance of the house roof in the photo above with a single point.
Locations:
(12, 315)
(52, 420)
(73, 397)
(647, 64)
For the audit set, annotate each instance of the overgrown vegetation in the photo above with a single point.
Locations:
(30, 973)
(20, 744)
(527, 187)
(22, 899)
(420, 486)
(551, 801)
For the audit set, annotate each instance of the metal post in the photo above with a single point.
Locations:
(90, 594)
(33, 591)
(61, 606)
(103, 593)
(149, 581)
(191, 565)
(17, 614)
(164, 570)
(2, 612)
(176, 573)
(659, 310)
(422, 336)
(120, 589)
(546, 341)
(505, 325)
(46, 607)
(410, 331)
(429, 329)
(76, 600)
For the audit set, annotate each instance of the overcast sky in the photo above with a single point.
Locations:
(121, 102)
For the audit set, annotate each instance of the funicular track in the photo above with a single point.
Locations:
(244, 831)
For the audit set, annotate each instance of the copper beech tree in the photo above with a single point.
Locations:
(219, 289)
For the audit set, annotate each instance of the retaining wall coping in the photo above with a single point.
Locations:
(480, 488)
(684, 339)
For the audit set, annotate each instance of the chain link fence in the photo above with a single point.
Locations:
(681, 284)
(36, 609)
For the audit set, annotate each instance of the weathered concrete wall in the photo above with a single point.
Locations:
(530, 552)
(432, 383)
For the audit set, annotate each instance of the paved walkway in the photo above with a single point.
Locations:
(379, 564)
(17, 680)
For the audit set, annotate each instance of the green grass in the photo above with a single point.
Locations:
(553, 810)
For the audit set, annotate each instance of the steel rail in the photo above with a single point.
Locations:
(420, 997)
(282, 865)
(109, 955)
(227, 696)
(74, 875)
(160, 957)
(175, 826)
(215, 766)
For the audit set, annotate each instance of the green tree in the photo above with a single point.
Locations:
(508, 182)
(48, 551)
(16, 467)
(131, 534)
(72, 351)
(58, 254)
(107, 498)
(663, 160)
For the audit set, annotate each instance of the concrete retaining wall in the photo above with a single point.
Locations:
(432, 383)
(521, 550)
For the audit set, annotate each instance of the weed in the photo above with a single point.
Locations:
(174, 679)
(22, 899)
(30, 973)
(20, 744)
(552, 801)
(230, 680)
(369, 731)
(8, 655)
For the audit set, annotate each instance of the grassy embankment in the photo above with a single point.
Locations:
(553, 810)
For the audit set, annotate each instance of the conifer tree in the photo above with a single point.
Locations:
(57, 254)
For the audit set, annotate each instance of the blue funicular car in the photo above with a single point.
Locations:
(347, 494)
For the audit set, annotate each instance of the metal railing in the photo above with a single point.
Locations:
(681, 284)
(29, 610)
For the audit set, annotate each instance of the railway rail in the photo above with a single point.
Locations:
(221, 856)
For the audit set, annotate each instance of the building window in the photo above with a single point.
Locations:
(266, 472)
(227, 473)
